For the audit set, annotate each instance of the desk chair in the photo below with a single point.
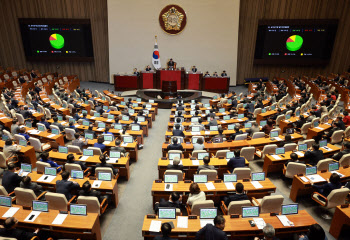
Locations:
(345, 160)
(74, 149)
(337, 136)
(40, 166)
(20, 118)
(304, 129)
(290, 147)
(69, 134)
(58, 201)
(197, 205)
(235, 207)
(256, 112)
(3, 192)
(96, 150)
(248, 153)
(314, 120)
(179, 173)
(290, 112)
(103, 169)
(195, 153)
(55, 127)
(7, 133)
(19, 137)
(243, 136)
(258, 135)
(212, 174)
(242, 173)
(323, 164)
(42, 125)
(25, 197)
(73, 166)
(309, 142)
(279, 119)
(5, 160)
(269, 204)
(268, 149)
(347, 132)
(221, 153)
(38, 146)
(93, 205)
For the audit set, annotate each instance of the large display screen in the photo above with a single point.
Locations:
(295, 41)
(56, 39)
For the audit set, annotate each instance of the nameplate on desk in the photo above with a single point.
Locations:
(344, 206)
(192, 216)
(346, 166)
(221, 157)
(246, 180)
(158, 181)
(187, 181)
(164, 158)
(234, 216)
(153, 216)
(217, 180)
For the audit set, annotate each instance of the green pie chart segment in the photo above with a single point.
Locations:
(56, 41)
(294, 43)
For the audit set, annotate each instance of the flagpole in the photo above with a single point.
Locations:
(156, 38)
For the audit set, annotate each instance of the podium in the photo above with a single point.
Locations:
(171, 75)
(147, 80)
(193, 80)
(125, 82)
(169, 88)
(216, 84)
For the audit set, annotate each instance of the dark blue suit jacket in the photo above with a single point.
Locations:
(235, 163)
(65, 187)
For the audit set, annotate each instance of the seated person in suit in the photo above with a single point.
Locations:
(78, 141)
(28, 184)
(106, 131)
(335, 127)
(89, 130)
(224, 74)
(22, 132)
(66, 187)
(287, 139)
(174, 201)
(9, 230)
(10, 150)
(166, 230)
(315, 232)
(269, 233)
(220, 137)
(326, 189)
(314, 154)
(177, 132)
(43, 121)
(199, 144)
(207, 74)
(213, 121)
(136, 72)
(238, 196)
(71, 158)
(205, 166)
(194, 69)
(44, 157)
(216, 232)
(175, 145)
(293, 158)
(10, 179)
(72, 126)
(250, 107)
(195, 194)
(237, 132)
(255, 128)
(25, 113)
(180, 107)
(148, 68)
(104, 164)
(176, 165)
(268, 127)
(300, 122)
(340, 122)
(340, 154)
(236, 161)
(100, 144)
(88, 192)
(215, 74)
(171, 64)
(118, 147)
(56, 123)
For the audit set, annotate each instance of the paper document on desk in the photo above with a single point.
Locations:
(168, 187)
(182, 222)
(326, 148)
(155, 226)
(239, 120)
(124, 144)
(340, 175)
(3, 117)
(304, 179)
(223, 113)
(48, 179)
(206, 221)
(51, 135)
(276, 157)
(256, 184)
(316, 178)
(84, 158)
(196, 133)
(230, 186)
(300, 154)
(59, 219)
(112, 160)
(284, 220)
(278, 139)
(319, 128)
(92, 117)
(223, 121)
(97, 184)
(9, 213)
(109, 120)
(99, 129)
(195, 162)
(207, 132)
(32, 216)
(34, 131)
(210, 186)
(259, 222)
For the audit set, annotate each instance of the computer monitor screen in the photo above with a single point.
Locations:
(77, 174)
(101, 125)
(288, 209)
(302, 147)
(60, 118)
(170, 178)
(104, 176)
(105, 107)
(22, 142)
(4, 137)
(179, 140)
(26, 167)
(230, 155)
(77, 209)
(240, 116)
(72, 120)
(333, 166)
(273, 107)
(323, 143)
(55, 131)
(62, 149)
(41, 128)
(229, 101)
(316, 123)
(110, 116)
(97, 115)
(194, 120)
(86, 123)
(195, 129)
(192, 112)
(206, 105)
(194, 140)
(201, 155)
(151, 101)
(5, 201)
(311, 170)
(259, 176)
(88, 152)
(141, 119)
(125, 118)
(274, 134)
(122, 103)
(174, 155)
(213, 128)
(263, 110)
(108, 137)
(200, 178)
(230, 127)
(263, 123)
(290, 130)
(221, 110)
(248, 125)
(280, 151)
(50, 171)
(29, 124)
(148, 106)
(118, 126)
(131, 111)
(41, 206)
(230, 177)
(208, 213)
(166, 213)
(138, 100)
(89, 136)
(114, 154)
(227, 117)
(135, 105)
(128, 139)
(297, 113)
(135, 128)
(325, 119)
(249, 212)
(288, 116)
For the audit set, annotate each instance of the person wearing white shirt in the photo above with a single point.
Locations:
(195, 194)
(198, 145)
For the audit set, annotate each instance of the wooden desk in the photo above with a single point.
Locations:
(84, 227)
(300, 188)
(113, 96)
(273, 165)
(341, 217)
(44, 136)
(314, 132)
(237, 228)
(6, 121)
(28, 152)
(262, 116)
(158, 190)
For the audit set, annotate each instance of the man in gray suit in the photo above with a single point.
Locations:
(205, 166)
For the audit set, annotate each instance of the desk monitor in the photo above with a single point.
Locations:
(208, 213)
(77, 174)
(281, 105)
(84, 111)
(62, 149)
(151, 101)
(101, 125)
(273, 107)
(248, 125)
(125, 118)
(131, 111)
(86, 123)
(325, 120)
(323, 143)
(238, 98)
(88, 152)
(122, 103)
(230, 155)
(26, 167)
(230, 177)
(244, 105)
(135, 105)
(97, 114)
(114, 154)
(263, 110)
(302, 147)
(193, 101)
(213, 128)
(179, 140)
(274, 134)
(288, 116)
(229, 101)
(104, 176)
(193, 106)
(135, 128)
(192, 112)
(105, 107)
(5, 201)
(168, 178)
(141, 119)
(118, 126)
(50, 171)
(259, 176)
(197, 178)
(128, 139)
(207, 105)
(201, 155)
(290, 130)
(226, 117)
(22, 142)
(148, 106)
(207, 111)
(311, 170)
(77, 209)
(138, 100)
(280, 151)
(29, 124)
(55, 131)
(108, 138)
(194, 120)
(71, 120)
(297, 113)
(240, 116)
(166, 213)
(174, 155)
(4, 137)
(250, 212)
(263, 123)
(60, 118)
(41, 128)
(316, 123)
(333, 166)
(221, 110)
(195, 129)
(41, 206)
(231, 127)
(110, 116)
(253, 102)
(89, 136)
(288, 209)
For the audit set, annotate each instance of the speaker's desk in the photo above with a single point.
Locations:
(341, 217)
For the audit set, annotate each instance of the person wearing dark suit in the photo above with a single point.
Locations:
(10, 179)
(171, 64)
(300, 122)
(314, 154)
(236, 161)
(335, 127)
(177, 132)
(104, 164)
(100, 144)
(224, 74)
(175, 145)
(180, 107)
(25, 113)
(43, 121)
(194, 69)
(89, 130)
(71, 158)
(148, 68)
(117, 147)
(56, 123)
(213, 121)
(237, 132)
(88, 192)
(327, 188)
(210, 232)
(9, 230)
(166, 230)
(28, 184)
(37, 89)
(293, 158)
(33, 74)
(205, 166)
(234, 102)
(341, 124)
(176, 165)
(238, 196)
(174, 201)
(21, 79)
(66, 187)
(250, 107)
(340, 154)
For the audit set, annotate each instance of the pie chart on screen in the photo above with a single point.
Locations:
(56, 41)
(294, 43)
